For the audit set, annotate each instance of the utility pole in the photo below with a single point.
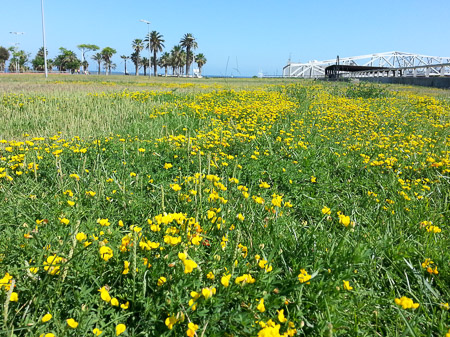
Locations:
(43, 39)
(149, 53)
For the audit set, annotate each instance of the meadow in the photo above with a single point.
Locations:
(250, 207)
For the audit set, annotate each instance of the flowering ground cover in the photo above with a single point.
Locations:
(254, 208)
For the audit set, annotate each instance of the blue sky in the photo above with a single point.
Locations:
(237, 37)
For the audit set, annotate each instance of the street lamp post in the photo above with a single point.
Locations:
(43, 39)
(149, 53)
(17, 44)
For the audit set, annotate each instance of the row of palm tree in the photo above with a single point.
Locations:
(179, 57)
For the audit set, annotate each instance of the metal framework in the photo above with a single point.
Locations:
(399, 64)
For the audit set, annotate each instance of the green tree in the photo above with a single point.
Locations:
(164, 62)
(18, 61)
(188, 42)
(144, 63)
(137, 46)
(125, 58)
(136, 60)
(98, 58)
(156, 45)
(67, 60)
(38, 62)
(177, 60)
(4, 56)
(84, 49)
(200, 59)
(107, 54)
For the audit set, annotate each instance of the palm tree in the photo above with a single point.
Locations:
(125, 58)
(200, 59)
(164, 62)
(98, 57)
(144, 63)
(176, 56)
(156, 45)
(188, 42)
(107, 54)
(137, 46)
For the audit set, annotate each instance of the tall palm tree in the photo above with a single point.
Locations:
(98, 57)
(156, 45)
(200, 59)
(107, 54)
(176, 55)
(137, 46)
(188, 42)
(164, 62)
(125, 58)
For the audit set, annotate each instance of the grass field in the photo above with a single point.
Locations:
(253, 207)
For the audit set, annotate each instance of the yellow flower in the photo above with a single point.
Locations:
(120, 328)
(14, 297)
(264, 185)
(161, 281)
(70, 202)
(168, 166)
(225, 280)
(406, 303)
(46, 318)
(210, 275)
(104, 294)
(240, 217)
(313, 179)
(277, 199)
(304, 276)
(246, 278)
(175, 187)
(47, 335)
(72, 323)
(192, 328)
(208, 292)
(103, 222)
(97, 332)
(53, 264)
(114, 302)
(326, 210)
(189, 266)
(125, 306)
(281, 317)
(81, 237)
(344, 219)
(347, 285)
(75, 176)
(261, 306)
(64, 221)
(106, 253)
(90, 193)
(171, 321)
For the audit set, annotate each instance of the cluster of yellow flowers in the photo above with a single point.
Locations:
(406, 303)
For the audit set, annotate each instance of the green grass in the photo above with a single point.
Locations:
(377, 154)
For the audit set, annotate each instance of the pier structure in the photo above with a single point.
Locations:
(389, 64)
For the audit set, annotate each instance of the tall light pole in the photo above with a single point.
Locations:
(43, 39)
(17, 44)
(149, 53)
